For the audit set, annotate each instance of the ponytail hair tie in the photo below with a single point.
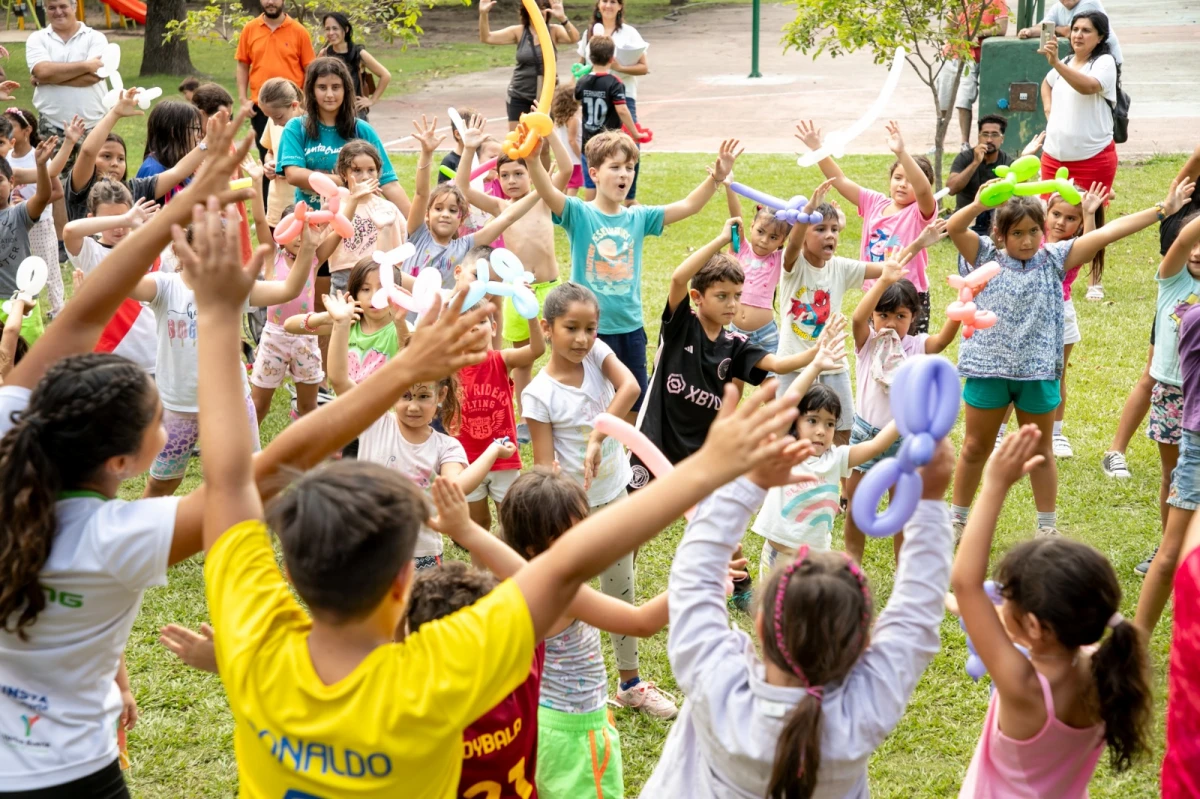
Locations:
(1115, 620)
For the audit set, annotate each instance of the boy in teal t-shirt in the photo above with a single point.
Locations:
(606, 236)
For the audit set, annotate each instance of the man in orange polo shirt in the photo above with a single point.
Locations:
(272, 45)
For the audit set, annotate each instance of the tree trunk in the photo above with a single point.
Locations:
(160, 56)
(943, 125)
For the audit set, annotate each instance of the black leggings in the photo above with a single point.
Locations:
(107, 783)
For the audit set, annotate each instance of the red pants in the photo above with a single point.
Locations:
(1100, 168)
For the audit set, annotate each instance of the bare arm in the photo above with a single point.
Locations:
(692, 204)
(916, 178)
(243, 83)
(338, 358)
(71, 134)
(462, 178)
(36, 204)
(496, 227)
(473, 474)
(521, 357)
(379, 71)
(1177, 256)
(943, 338)
(8, 339)
(959, 180)
(861, 453)
(562, 177)
(1078, 80)
(56, 73)
(85, 162)
(509, 35)
(541, 435)
(638, 68)
(429, 140)
(551, 195)
(695, 262)
(1087, 245)
(810, 135)
(1046, 91)
(276, 292)
(966, 241)
(183, 169)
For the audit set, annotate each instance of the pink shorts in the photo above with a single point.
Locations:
(281, 354)
(576, 177)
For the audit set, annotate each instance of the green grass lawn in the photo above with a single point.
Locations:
(183, 743)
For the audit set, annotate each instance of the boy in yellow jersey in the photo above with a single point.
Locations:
(328, 706)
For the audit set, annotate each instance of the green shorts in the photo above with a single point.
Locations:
(1030, 396)
(579, 755)
(516, 327)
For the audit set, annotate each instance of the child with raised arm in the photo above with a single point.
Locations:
(606, 237)
(16, 220)
(802, 515)
(1018, 361)
(803, 719)
(531, 238)
(75, 423)
(761, 257)
(320, 677)
(435, 216)
(811, 292)
(882, 325)
(133, 331)
(177, 374)
(893, 220)
(1053, 711)
(1178, 294)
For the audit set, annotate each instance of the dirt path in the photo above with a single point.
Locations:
(698, 92)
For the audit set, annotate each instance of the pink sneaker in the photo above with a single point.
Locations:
(646, 696)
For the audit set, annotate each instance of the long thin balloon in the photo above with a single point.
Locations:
(790, 211)
(835, 143)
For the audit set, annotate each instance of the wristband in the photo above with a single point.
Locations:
(306, 325)
(1161, 210)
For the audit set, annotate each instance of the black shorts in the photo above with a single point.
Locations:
(519, 105)
(323, 270)
(107, 783)
(630, 349)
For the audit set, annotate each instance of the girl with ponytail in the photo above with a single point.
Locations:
(803, 720)
(1085, 683)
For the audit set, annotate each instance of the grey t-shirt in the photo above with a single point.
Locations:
(14, 245)
(1061, 16)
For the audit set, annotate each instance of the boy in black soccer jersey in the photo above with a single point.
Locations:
(602, 96)
(697, 355)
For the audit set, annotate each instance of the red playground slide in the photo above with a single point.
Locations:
(131, 9)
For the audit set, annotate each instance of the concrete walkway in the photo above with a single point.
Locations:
(698, 92)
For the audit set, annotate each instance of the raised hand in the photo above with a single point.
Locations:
(193, 648)
(45, 151)
(254, 169)
(74, 130)
(426, 134)
(893, 271)
(453, 513)
(895, 142)
(1035, 144)
(809, 134)
(1095, 197)
(1178, 195)
(556, 10)
(747, 434)
(934, 232)
(341, 307)
(362, 189)
(446, 340)
(726, 155)
(213, 264)
(141, 212)
(831, 353)
(7, 87)
(779, 470)
(834, 327)
(1016, 457)
(127, 104)
(473, 135)
(819, 194)
(486, 6)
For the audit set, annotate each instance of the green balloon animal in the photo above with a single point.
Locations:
(1018, 181)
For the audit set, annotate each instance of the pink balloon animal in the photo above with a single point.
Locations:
(964, 309)
(332, 195)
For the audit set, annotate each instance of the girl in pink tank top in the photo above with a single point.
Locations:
(1052, 713)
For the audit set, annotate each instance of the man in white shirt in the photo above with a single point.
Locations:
(63, 59)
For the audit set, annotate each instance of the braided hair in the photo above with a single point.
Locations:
(86, 409)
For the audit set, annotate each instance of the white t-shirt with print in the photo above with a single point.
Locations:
(59, 701)
(178, 365)
(140, 343)
(809, 296)
(383, 443)
(571, 412)
(804, 513)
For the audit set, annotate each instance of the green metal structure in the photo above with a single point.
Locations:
(1010, 78)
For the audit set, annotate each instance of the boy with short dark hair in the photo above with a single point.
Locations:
(602, 96)
(606, 237)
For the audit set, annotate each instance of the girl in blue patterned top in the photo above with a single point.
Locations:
(1019, 361)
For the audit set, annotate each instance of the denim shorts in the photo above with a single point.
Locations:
(1185, 477)
(630, 349)
(766, 336)
(864, 431)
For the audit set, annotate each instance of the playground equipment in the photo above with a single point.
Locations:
(127, 11)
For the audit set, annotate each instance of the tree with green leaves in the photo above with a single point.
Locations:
(935, 33)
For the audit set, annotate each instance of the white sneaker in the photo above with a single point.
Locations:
(1095, 292)
(1114, 465)
(1047, 532)
(1062, 447)
(646, 696)
(959, 529)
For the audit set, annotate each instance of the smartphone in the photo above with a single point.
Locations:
(1047, 33)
